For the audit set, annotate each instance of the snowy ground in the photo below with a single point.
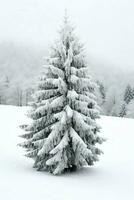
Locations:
(110, 179)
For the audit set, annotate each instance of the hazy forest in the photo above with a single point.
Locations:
(20, 66)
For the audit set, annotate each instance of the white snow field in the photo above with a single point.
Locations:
(110, 179)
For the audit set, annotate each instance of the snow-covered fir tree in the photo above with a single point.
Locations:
(133, 92)
(101, 96)
(102, 91)
(123, 110)
(64, 133)
(130, 109)
(128, 96)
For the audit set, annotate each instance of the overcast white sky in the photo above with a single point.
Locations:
(105, 26)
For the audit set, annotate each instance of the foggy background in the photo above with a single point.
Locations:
(29, 27)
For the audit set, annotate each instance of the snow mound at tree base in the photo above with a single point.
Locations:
(112, 178)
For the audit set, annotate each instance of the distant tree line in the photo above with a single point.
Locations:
(113, 103)
(14, 94)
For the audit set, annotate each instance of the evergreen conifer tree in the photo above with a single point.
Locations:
(64, 132)
(102, 91)
(130, 109)
(128, 96)
(123, 110)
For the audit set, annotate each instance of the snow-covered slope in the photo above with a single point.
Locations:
(110, 179)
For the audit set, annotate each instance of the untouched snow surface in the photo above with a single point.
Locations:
(110, 179)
